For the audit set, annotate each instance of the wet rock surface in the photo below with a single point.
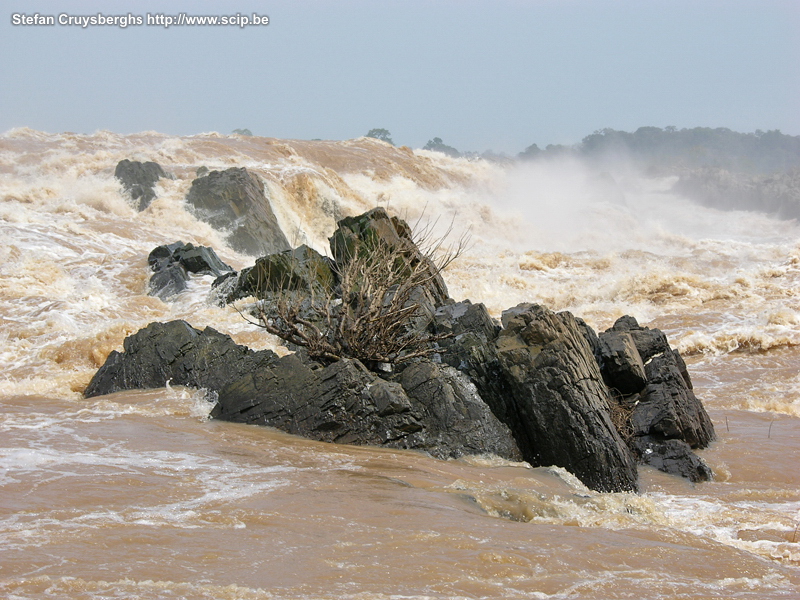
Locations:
(139, 180)
(664, 406)
(540, 386)
(236, 201)
(672, 456)
(301, 268)
(427, 408)
(559, 405)
(177, 353)
(172, 263)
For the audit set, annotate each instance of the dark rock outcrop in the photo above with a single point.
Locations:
(558, 406)
(668, 408)
(364, 233)
(177, 353)
(139, 179)
(302, 269)
(651, 378)
(543, 387)
(235, 200)
(540, 378)
(428, 408)
(672, 456)
(172, 263)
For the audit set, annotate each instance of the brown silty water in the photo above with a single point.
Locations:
(139, 495)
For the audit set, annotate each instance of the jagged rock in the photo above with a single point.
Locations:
(201, 260)
(462, 317)
(523, 383)
(302, 269)
(234, 200)
(589, 335)
(552, 396)
(672, 456)
(620, 363)
(470, 347)
(364, 233)
(454, 413)
(178, 353)
(429, 408)
(172, 263)
(648, 342)
(668, 408)
(168, 281)
(653, 381)
(138, 179)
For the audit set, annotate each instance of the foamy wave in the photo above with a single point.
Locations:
(738, 341)
(763, 529)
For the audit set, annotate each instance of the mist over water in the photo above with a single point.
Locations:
(138, 494)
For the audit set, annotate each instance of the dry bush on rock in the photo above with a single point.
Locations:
(379, 309)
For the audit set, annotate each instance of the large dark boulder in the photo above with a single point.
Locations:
(139, 179)
(428, 408)
(551, 394)
(650, 378)
(178, 353)
(665, 404)
(301, 269)
(540, 378)
(235, 201)
(172, 263)
(668, 408)
(672, 456)
(620, 362)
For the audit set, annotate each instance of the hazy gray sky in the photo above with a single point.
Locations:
(497, 74)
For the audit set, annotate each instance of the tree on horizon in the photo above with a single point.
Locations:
(381, 134)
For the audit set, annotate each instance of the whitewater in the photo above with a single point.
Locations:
(140, 495)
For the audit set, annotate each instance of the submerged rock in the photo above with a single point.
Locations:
(235, 201)
(139, 179)
(172, 263)
(672, 456)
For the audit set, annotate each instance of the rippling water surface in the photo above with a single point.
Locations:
(139, 495)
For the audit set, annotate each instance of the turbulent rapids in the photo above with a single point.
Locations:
(139, 494)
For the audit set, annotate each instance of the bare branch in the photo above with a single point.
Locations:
(374, 312)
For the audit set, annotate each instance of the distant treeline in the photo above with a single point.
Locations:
(672, 149)
(661, 151)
